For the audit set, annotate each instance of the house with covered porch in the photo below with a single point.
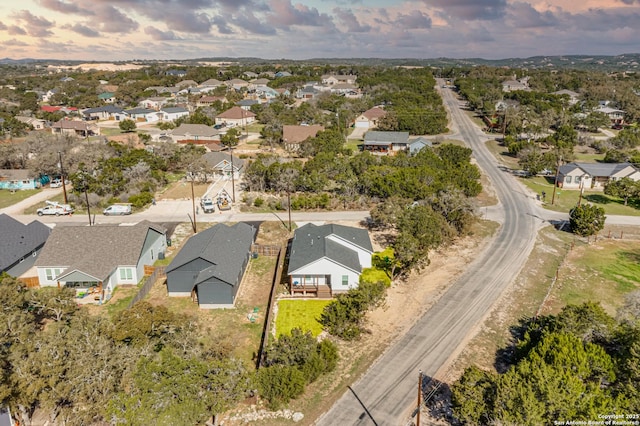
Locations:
(98, 259)
(594, 175)
(328, 259)
(386, 142)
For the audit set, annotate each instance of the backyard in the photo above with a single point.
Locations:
(303, 314)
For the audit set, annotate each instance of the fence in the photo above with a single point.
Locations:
(265, 250)
(31, 282)
(277, 275)
(158, 273)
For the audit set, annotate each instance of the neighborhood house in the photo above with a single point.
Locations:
(99, 257)
(328, 259)
(210, 266)
(20, 244)
(594, 175)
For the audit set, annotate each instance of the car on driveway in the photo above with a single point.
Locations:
(55, 209)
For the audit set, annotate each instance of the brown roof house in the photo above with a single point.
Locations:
(75, 127)
(293, 136)
(194, 133)
(102, 257)
(236, 116)
(369, 119)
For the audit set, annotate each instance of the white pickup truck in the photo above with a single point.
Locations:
(207, 205)
(54, 208)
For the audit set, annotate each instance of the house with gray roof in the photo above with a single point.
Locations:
(172, 113)
(594, 175)
(221, 164)
(142, 114)
(210, 266)
(20, 244)
(416, 145)
(105, 112)
(328, 259)
(103, 256)
(386, 142)
(16, 179)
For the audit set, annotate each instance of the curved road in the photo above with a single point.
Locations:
(386, 394)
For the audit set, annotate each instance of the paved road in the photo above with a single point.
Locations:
(386, 394)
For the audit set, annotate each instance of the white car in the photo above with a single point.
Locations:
(60, 209)
(57, 183)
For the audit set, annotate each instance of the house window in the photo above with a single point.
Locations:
(308, 280)
(345, 280)
(126, 273)
(577, 180)
(567, 179)
(51, 274)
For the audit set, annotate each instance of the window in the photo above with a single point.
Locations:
(577, 180)
(126, 274)
(308, 280)
(345, 280)
(50, 274)
(151, 254)
(567, 179)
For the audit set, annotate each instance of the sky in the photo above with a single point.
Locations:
(120, 30)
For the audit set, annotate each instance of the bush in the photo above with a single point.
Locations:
(278, 384)
(141, 199)
(258, 202)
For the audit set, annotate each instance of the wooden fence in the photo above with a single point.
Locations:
(265, 250)
(31, 282)
(158, 273)
(277, 276)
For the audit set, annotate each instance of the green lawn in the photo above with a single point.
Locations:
(565, 200)
(299, 313)
(588, 158)
(353, 144)
(110, 131)
(8, 198)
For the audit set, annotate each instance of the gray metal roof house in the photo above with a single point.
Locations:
(210, 266)
(594, 175)
(20, 244)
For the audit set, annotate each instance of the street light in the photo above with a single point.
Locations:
(64, 186)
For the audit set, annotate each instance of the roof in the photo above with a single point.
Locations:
(15, 174)
(374, 136)
(71, 124)
(595, 169)
(19, 240)
(106, 95)
(224, 247)
(212, 82)
(194, 130)
(311, 243)
(95, 250)
(105, 108)
(236, 113)
(174, 110)
(297, 134)
(216, 157)
(373, 113)
(136, 111)
(247, 102)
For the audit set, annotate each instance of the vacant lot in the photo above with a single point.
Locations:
(182, 190)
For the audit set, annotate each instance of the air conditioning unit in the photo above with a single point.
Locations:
(161, 255)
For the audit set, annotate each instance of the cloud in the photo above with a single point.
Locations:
(284, 15)
(82, 30)
(415, 19)
(350, 22)
(471, 10)
(36, 25)
(16, 30)
(157, 34)
(2, 26)
(249, 22)
(523, 15)
(598, 20)
(112, 20)
(221, 24)
(14, 43)
(67, 8)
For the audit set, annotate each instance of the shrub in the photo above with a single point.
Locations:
(258, 202)
(278, 384)
(141, 199)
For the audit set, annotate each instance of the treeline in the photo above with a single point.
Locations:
(574, 366)
(147, 365)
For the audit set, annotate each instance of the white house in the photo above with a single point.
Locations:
(594, 175)
(102, 257)
(369, 119)
(173, 113)
(328, 259)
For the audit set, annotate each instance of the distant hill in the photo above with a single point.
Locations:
(625, 62)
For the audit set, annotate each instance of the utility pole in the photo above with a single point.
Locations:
(193, 202)
(419, 397)
(86, 195)
(289, 205)
(555, 181)
(233, 178)
(64, 186)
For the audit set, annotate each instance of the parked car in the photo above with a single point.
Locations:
(55, 209)
(207, 205)
(117, 209)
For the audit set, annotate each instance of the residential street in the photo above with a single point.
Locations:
(386, 394)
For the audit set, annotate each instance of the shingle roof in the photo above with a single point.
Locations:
(173, 110)
(95, 250)
(135, 111)
(194, 130)
(595, 169)
(216, 157)
(373, 136)
(225, 247)
(236, 113)
(297, 134)
(105, 108)
(311, 243)
(72, 124)
(15, 174)
(375, 112)
(19, 240)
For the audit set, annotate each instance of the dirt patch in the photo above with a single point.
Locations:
(181, 190)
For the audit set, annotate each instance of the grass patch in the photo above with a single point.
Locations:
(501, 153)
(586, 157)
(565, 200)
(299, 313)
(110, 131)
(353, 145)
(9, 198)
(182, 190)
(120, 299)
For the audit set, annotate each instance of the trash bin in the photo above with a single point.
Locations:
(254, 255)
(168, 242)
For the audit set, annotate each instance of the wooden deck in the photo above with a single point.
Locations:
(319, 291)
